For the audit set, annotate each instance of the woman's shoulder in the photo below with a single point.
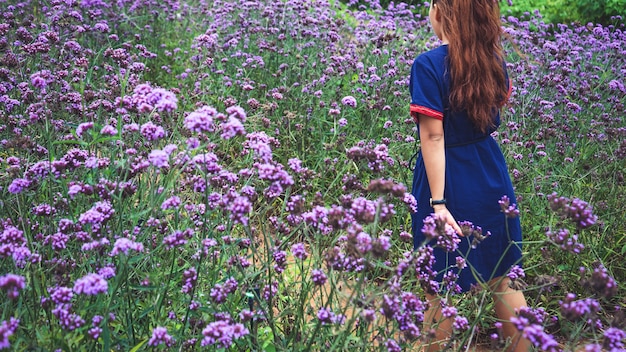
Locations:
(431, 56)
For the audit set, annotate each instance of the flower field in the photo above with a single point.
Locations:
(234, 176)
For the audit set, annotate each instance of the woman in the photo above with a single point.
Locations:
(457, 90)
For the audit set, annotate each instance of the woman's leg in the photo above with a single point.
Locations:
(434, 322)
(507, 301)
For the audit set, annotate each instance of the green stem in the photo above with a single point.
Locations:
(193, 292)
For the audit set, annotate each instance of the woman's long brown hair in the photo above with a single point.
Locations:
(477, 81)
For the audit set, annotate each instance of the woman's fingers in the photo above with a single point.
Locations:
(445, 213)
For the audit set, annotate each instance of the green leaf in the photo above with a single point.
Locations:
(269, 347)
(136, 348)
(71, 142)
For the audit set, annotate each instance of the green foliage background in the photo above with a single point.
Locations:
(567, 11)
(553, 11)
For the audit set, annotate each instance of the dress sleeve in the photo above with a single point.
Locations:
(425, 90)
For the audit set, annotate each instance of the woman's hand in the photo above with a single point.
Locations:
(442, 211)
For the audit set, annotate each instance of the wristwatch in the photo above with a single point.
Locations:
(437, 201)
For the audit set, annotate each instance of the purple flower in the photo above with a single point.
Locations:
(18, 185)
(538, 337)
(593, 347)
(6, 330)
(159, 158)
(299, 251)
(375, 155)
(392, 345)
(13, 243)
(193, 143)
(565, 240)
(237, 112)
(41, 79)
(364, 210)
(12, 284)
(318, 277)
(381, 245)
(124, 245)
(162, 100)
(239, 208)
(178, 238)
(94, 332)
(95, 244)
(601, 282)
(91, 284)
(461, 263)
(578, 211)
(220, 292)
(324, 315)
(259, 143)
(160, 336)
(208, 162)
(574, 310)
(222, 333)
(43, 210)
(449, 281)
(436, 228)
(201, 120)
(107, 272)
(369, 315)
(190, 277)
(67, 319)
(98, 214)
(614, 339)
(60, 294)
(58, 240)
(410, 201)
(232, 128)
(509, 210)
(460, 323)
(280, 260)
(516, 272)
(152, 132)
(171, 202)
(349, 101)
(144, 97)
(108, 130)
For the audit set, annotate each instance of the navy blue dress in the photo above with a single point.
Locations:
(476, 179)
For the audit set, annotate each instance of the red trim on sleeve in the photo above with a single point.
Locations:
(418, 109)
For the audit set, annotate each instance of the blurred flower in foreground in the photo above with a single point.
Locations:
(435, 228)
(530, 322)
(6, 330)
